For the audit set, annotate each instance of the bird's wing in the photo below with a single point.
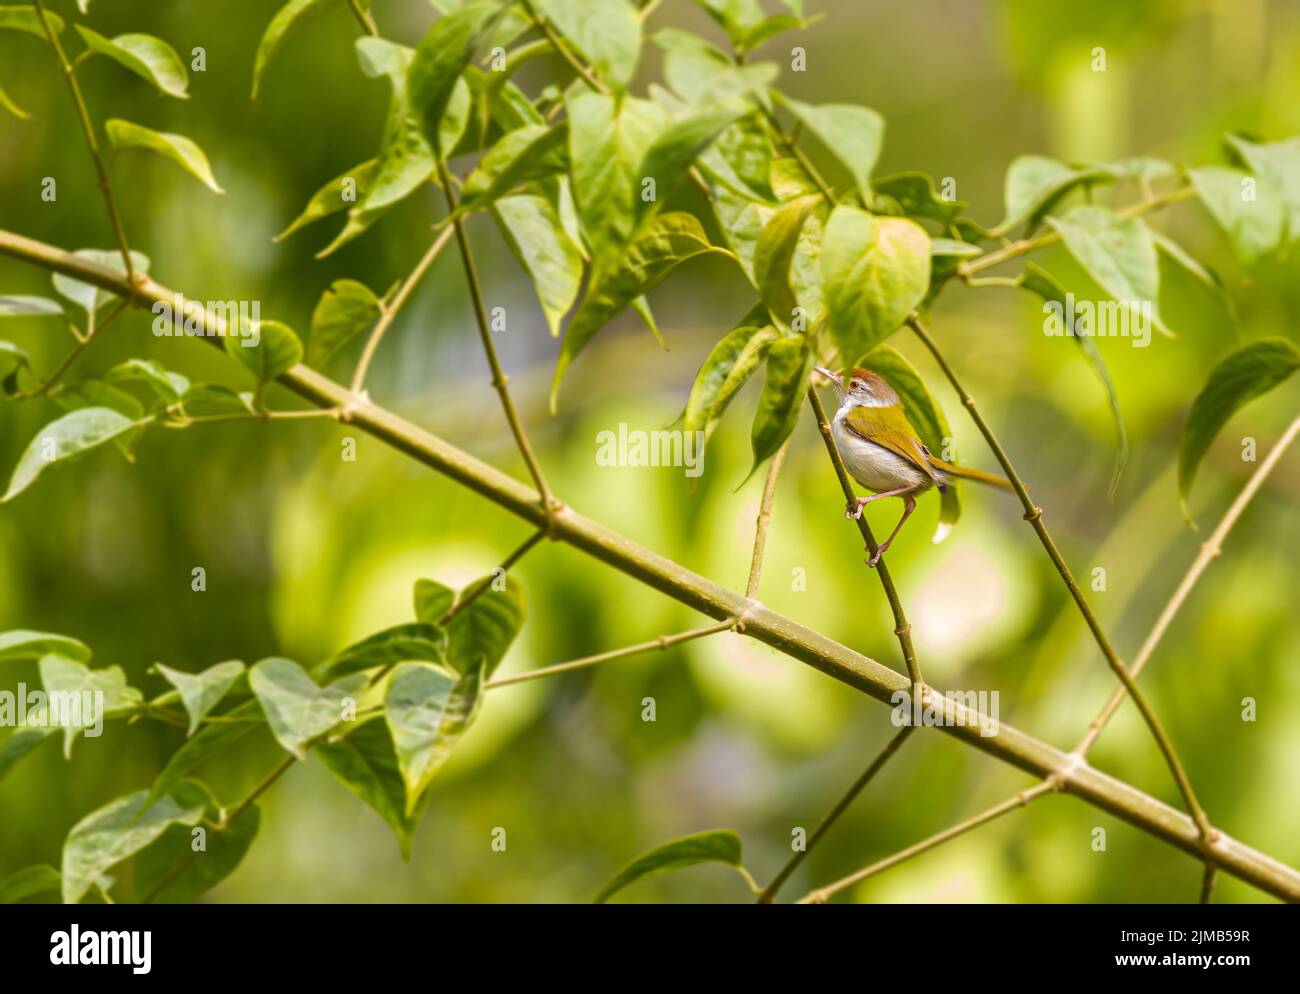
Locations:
(889, 427)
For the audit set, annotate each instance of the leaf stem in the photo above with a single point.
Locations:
(769, 893)
(822, 894)
(1210, 551)
(1034, 515)
(662, 642)
(484, 584)
(391, 310)
(364, 16)
(105, 188)
(763, 519)
(499, 379)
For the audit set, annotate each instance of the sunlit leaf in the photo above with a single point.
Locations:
(413, 641)
(671, 155)
(167, 386)
(606, 32)
(337, 195)
(286, 19)
(68, 437)
(296, 708)
(365, 762)
(267, 350)
(91, 298)
(441, 57)
(1247, 373)
(179, 149)
(853, 134)
(1119, 253)
(717, 846)
(1035, 184)
(1277, 164)
(25, 18)
(915, 195)
(535, 233)
(150, 58)
(773, 254)
(875, 272)
(525, 154)
(115, 833)
(666, 241)
(789, 364)
(79, 685)
(201, 692)
(483, 629)
(345, 310)
(1254, 225)
(21, 644)
(428, 709)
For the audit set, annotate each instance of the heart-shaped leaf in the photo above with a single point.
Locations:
(68, 437)
(201, 692)
(20, 644)
(297, 709)
(347, 309)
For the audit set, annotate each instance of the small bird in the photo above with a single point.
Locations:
(883, 452)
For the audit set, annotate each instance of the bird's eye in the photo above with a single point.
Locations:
(855, 384)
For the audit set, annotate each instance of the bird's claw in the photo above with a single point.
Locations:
(853, 509)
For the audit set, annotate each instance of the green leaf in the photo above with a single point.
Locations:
(606, 32)
(29, 882)
(171, 871)
(769, 28)
(211, 740)
(774, 252)
(535, 233)
(346, 310)
(296, 708)
(204, 399)
(875, 272)
(8, 104)
(73, 680)
(531, 152)
(851, 133)
(179, 149)
(701, 74)
(482, 630)
(150, 58)
(401, 643)
(91, 298)
(915, 195)
(726, 368)
(68, 437)
(22, 305)
(80, 394)
(1277, 164)
(1140, 170)
(608, 140)
(428, 710)
(1247, 373)
(115, 833)
(19, 744)
(1039, 281)
(925, 414)
(269, 350)
(741, 158)
(1254, 226)
(365, 762)
(668, 160)
(717, 846)
(667, 240)
(286, 19)
(21, 644)
(201, 692)
(1035, 184)
(441, 57)
(165, 385)
(1119, 253)
(336, 195)
(736, 17)
(25, 18)
(789, 364)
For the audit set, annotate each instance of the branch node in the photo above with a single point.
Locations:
(1033, 515)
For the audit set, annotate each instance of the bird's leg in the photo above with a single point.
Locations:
(854, 507)
(909, 505)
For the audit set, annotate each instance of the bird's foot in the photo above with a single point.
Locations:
(874, 561)
(853, 509)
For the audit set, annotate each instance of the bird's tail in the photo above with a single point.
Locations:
(966, 473)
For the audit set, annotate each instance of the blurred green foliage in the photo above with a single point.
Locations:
(305, 553)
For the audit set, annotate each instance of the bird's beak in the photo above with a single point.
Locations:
(832, 376)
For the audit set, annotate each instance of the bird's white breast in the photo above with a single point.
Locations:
(872, 465)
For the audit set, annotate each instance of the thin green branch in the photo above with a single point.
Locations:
(1026, 245)
(762, 521)
(486, 583)
(1010, 745)
(499, 379)
(902, 628)
(390, 310)
(891, 747)
(1210, 551)
(823, 894)
(105, 188)
(367, 21)
(662, 642)
(1034, 515)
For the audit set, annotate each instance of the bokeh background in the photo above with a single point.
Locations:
(305, 552)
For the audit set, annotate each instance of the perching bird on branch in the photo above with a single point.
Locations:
(883, 452)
